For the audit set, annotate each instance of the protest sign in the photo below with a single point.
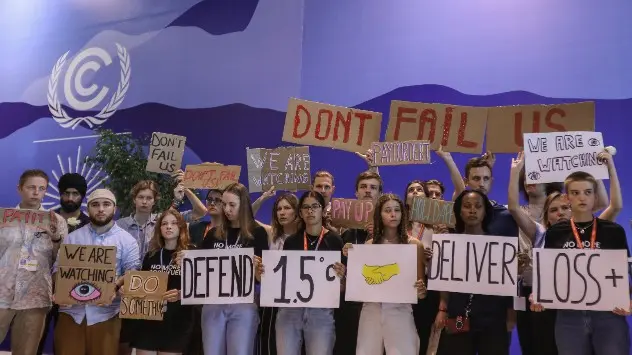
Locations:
(86, 274)
(210, 176)
(401, 153)
(165, 153)
(33, 218)
(455, 128)
(351, 213)
(300, 279)
(431, 211)
(507, 124)
(581, 279)
(285, 168)
(551, 157)
(382, 273)
(218, 276)
(480, 264)
(313, 123)
(143, 297)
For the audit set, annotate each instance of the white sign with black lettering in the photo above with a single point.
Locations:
(581, 279)
(300, 279)
(480, 264)
(218, 276)
(551, 157)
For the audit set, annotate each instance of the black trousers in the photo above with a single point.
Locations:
(490, 341)
(49, 326)
(425, 312)
(536, 330)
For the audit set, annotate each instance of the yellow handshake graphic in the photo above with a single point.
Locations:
(377, 274)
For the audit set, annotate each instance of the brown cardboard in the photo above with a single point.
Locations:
(313, 123)
(351, 213)
(210, 176)
(507, 124)
(35, 218)
(456, 128)
(430, 211)
(165, 153)
(401, 153)
(143, 296)
(285, 168)
(86, 274)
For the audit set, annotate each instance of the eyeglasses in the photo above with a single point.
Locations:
(314, 207)
(214, 201)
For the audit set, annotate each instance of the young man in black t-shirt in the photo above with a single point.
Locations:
(581, 332)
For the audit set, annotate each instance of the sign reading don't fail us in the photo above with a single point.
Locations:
(165, 153)
(218, 276)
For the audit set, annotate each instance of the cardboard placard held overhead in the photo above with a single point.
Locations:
(165, 153)
(431, 211)
(16, 217)
(551, 157)
(351, 213)
(401, 153)
(86, 274)
(210, 176)
(507, 124)
(285, 168)
(456, 128)
(313, 123)
(143, 297)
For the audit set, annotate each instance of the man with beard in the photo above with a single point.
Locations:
(26, 256)
(95, 329)
(72, 190)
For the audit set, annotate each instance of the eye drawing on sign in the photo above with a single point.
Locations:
(73, 84)
(378, 274)
(534, 175)
(85, 292)
(93, 178)
(593, 142)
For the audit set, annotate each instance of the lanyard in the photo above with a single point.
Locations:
(320, 239)
(206, 230)
(593, 234)
(161, 262)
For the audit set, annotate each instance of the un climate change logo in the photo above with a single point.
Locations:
(73, 83)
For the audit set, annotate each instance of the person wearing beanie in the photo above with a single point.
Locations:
(72, 190)
(95, 328)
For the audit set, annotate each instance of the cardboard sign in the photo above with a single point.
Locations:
(430, 211)
(285, 168)
(313, 123)
(86, 274)
(506, 125)
(551, 157)
(479, 264)
(300, 279)
(218, 276)
(401, 153)
(210, 176)
(382, 273)
(350, 213)
(456, 128)
(581, 279)
(143, 298)
(35, 218)
(165, 153)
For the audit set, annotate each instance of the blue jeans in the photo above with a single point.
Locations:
(315, 324)
(581, 332)
(229, 329)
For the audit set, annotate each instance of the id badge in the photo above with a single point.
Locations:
(27, 262)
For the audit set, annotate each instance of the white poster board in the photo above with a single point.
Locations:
(480, 264)
(551, 157)
(300, 279)
(581, 279)
(218, 276)
(382, 273)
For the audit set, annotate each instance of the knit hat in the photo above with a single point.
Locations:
(73, 181)
(102, 193)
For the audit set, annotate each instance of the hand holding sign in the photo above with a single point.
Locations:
(301, 279)
(367, 157)
(517, 163)
(172, 295)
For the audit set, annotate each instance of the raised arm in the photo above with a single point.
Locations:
(264, 196)
(455, 174)
(524, 222)
(368, 157)
(199, 210)
(616, 200)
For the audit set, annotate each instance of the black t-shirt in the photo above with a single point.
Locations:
(610, 235)
(486, 311)
(355, 236)
(196, 232)
(258, 241)
(331, 241)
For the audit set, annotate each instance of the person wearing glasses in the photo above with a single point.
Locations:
(199, 231)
